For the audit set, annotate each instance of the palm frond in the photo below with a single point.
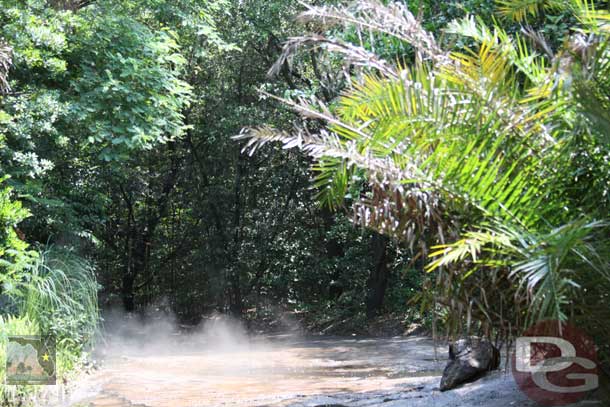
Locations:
(533, 66)
(592, 88)
(545, 267)
(479, 137)
(355, 55)
(408, 135)
(5, 64)
(520, 10)
(393, 19)
(593, 20)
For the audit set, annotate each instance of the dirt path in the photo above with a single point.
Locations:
(285, 372)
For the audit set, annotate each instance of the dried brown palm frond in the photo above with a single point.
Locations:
(370, 16)
(538, 39)
(325, 144)
(5, 64)
(353, 54)
(407, 214)
(404, 212)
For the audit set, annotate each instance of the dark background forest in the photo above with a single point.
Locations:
(191, 223)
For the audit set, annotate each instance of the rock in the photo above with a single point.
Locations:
(469, 359)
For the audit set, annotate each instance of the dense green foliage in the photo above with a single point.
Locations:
(475, 155)
(117, 130)
(13, 251)
(471, 142)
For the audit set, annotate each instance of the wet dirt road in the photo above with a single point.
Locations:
(284, 371)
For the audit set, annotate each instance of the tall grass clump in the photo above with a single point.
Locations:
(55, 295)
(61, 296)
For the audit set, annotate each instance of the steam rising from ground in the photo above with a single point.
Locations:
(156, 362)
(159, 333)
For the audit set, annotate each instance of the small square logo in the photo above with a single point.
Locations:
(30, 360)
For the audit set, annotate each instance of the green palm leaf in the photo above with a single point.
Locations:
(468, 157)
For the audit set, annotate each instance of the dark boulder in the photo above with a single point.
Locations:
(469, 359)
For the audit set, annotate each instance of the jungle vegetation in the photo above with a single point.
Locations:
(445, 163)
(486, 154)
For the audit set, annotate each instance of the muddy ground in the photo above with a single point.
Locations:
(284, 371)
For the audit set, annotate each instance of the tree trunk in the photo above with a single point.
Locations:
(236, 302)
(378, 279)
(127, 292)
(236, 305)
(141, 234)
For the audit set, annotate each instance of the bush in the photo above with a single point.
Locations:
(61, 296)
(57, 295)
